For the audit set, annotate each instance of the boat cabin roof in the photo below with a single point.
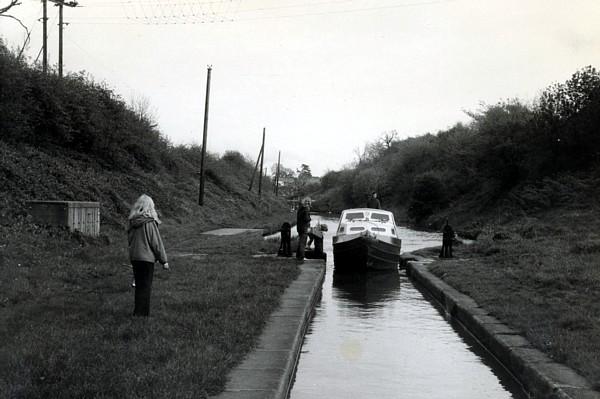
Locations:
(367, 214)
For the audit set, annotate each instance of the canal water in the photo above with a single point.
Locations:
(377, 336)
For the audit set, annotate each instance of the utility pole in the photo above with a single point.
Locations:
(262, 157)
(258, 160)
(277, 175)
(60, 39)
(60, 4)
(45, 37)
(205, 132)
(255, 169)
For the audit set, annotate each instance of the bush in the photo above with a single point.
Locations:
(428, 196)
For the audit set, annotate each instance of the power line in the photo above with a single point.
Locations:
(223, 15)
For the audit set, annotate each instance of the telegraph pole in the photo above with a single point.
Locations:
(60, 39)
(262, 157)
(45, 37)
(255, 168)
(205, 132)
(59, 4)
(277, 175)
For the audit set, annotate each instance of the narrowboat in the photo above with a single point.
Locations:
(366, 239)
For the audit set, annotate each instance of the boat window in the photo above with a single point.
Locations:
(357, 228)
(382, 217)
(377, 229)
(355, 215)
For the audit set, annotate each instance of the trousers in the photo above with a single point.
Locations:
(143, 273)
(301, 245)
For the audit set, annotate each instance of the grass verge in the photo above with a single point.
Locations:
(66, 302)
(542, 277)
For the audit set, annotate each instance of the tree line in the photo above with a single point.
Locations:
(504, 145)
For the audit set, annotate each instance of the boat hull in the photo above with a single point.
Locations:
(364, 251)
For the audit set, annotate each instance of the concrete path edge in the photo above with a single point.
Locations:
(268, 371)
(539, 375)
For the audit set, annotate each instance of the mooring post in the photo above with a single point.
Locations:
(205, 133)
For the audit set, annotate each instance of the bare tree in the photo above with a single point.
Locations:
(3, 13)
(143, 109)
(6, 7)
(388, 138)
(360, 154)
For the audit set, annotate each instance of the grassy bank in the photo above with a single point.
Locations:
(66, 301)
(540, 276)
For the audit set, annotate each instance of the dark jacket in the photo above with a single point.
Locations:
(145, 243)
(302, 220)
(448, 233)
(374, 203)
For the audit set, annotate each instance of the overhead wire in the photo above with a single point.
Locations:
(223, 14)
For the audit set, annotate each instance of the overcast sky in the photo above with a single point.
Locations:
(323, 77)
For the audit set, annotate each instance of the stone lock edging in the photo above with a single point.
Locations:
(268, 371)
(539, 375)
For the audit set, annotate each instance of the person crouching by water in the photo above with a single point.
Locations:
(145, 248)
(316, 235)
(302, 226)
(447, 238)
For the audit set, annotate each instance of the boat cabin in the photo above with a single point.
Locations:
(375, 221)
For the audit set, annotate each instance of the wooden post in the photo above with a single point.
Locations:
(204, 134)
(45, 37)
(60, 39)
(255, 168)
(262, 158)
(277, 175)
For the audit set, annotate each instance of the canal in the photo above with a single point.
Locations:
(378, 336)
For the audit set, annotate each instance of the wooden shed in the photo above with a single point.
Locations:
(77, 215)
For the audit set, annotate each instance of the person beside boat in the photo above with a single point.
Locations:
(315, 235)
(447, 238)
(302, 226)
(373, 202)
(285, 248)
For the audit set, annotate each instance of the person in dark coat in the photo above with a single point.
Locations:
(373, 202)
(447, 238)
(302, 226)
(286, 238)
(145, 248)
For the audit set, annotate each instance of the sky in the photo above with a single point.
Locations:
(323, 77)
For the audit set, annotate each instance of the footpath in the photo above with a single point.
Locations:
(268, 371)
(539, 375)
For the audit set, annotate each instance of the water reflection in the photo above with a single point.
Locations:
(376, 336)
(366, 290)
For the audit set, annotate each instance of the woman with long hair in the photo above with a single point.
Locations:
(145, 248)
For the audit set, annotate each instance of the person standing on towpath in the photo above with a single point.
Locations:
(145, 248)
(373, 202)
(447, 238)
(302, 226)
